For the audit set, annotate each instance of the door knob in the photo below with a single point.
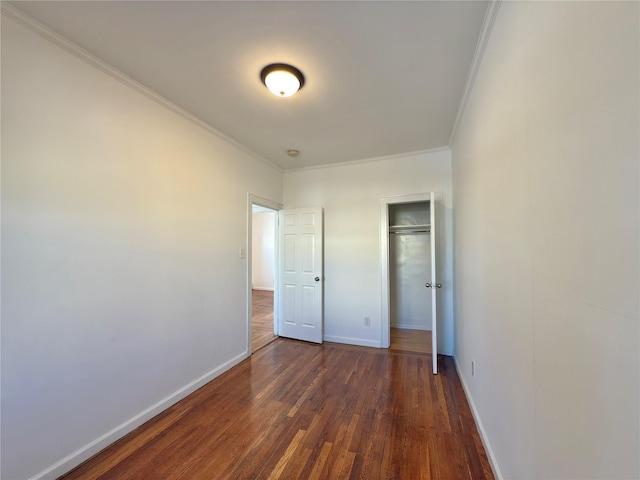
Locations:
(432, 285)
(317, 279)
(438, 285)
(428, 285)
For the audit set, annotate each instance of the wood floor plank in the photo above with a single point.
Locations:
(318, 467)
(288, 454)
(296, 410)
(261, 319)
(404, 340)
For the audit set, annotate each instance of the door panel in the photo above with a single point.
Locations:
(289, 253)
(289, 304)
(308, 306)
(301, 275)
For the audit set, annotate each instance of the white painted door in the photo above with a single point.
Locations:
(435, 284)
(301, 274)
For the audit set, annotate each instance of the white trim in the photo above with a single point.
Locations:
(481, 45)
(76, 458)
(264, 289)
(352, 341)
(371, 160)
(476, 417)
(411, 326)
(263, 202)
(96, 62)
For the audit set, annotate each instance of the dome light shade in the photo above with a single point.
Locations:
(281, 79)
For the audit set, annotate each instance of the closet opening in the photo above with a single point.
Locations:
(410, 283)
(409, 270)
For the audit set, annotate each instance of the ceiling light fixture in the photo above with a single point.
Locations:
(281, 79)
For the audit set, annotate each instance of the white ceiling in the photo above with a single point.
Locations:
(382, 78)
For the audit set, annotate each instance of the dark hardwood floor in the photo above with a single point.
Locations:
(416, 341)
(261, 319)
(301, 411)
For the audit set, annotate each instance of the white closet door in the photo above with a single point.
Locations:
(435, 284)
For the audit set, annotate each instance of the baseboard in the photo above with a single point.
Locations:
(483, 435)
(352, 341)
(267, 289)
(100, 443)
(411, 326)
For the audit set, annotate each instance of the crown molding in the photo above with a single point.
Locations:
(481, 46)
(371, 160)
(70, 47)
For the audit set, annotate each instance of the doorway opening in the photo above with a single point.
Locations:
(261, 298)
(409, 318)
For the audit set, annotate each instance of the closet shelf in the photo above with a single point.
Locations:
(409, 229)
(402, 228)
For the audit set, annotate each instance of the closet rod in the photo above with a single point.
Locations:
(409, 232)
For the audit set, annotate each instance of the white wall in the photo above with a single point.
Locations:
(263, 250)
(350, 195)
(546, 184)
(121, 280)
(409, 269)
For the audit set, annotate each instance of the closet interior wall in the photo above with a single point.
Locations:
(410, 265)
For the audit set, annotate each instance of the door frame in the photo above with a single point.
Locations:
(253, 199)
(385, 317)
